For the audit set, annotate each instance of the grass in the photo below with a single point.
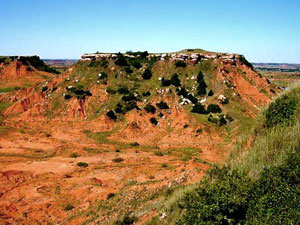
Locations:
(256, 186)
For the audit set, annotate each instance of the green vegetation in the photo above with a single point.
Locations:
(260, 186)
(162, 105)
(82, 164)
(150, 108)
(68, 207)
(118, 160)
(37, 63)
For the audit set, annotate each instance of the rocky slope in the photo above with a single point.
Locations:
(114, 126)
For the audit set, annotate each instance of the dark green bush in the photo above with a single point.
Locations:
(146, 93)
(192, 98)
(79, 92)
(68, 207)
(147, 74)
(222, 121)
(110, 195)
(158, 153)
(129, 97)
(103, 76)
(118, 160)
(175, 81)
(201, 89)
(225, 101)
(221, 199)
(137, 65)
(128, 70)
(213, 108)
(110, 90)
(126, 220)
(45, 88)
(121, 60)
(67, 96)
(37, 63)
(281, 111)
(199, 108)
(245, 61)
(111, 114)
(82, 164)
(153, 120)
(210, 93)
(150, 108)
(162, 105)
(123, 90)
(180, 64)
(165, 82)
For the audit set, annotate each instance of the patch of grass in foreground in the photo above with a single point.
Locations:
(258, 186)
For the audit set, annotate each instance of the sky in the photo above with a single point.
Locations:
(262, 30)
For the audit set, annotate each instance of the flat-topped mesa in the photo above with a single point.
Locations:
(192, 57)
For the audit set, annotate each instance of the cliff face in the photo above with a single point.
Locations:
(129, 117)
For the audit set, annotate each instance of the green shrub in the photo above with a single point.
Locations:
(37, 63)
(45, 88)
(201, 89)
(153, 120)
(147, 74)
(121, 60)
(129, 97)
(82, 164)
(111, 114)
(245, 61)
(213, 108)
(146, 93)
(137, 65)
(199, 108)
(150, 108)
(110, 195)
(162, 105)
(281, 111)
(210, 93)
(126, 220)
(180, 64)
(175, 81)
(68, 207)
(118, 160)
(165, 82)
(135, 144)
(225, 101)
(102, 76)
(222, 120)
(128, 70)
(123, 90)
(199, 131)
(110, 90)
(158, 153)
(164, 165)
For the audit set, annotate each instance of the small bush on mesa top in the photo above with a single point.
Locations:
(180, 64)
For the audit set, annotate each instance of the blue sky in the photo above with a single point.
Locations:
(262, 30)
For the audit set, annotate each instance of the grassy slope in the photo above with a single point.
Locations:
(259, 185)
